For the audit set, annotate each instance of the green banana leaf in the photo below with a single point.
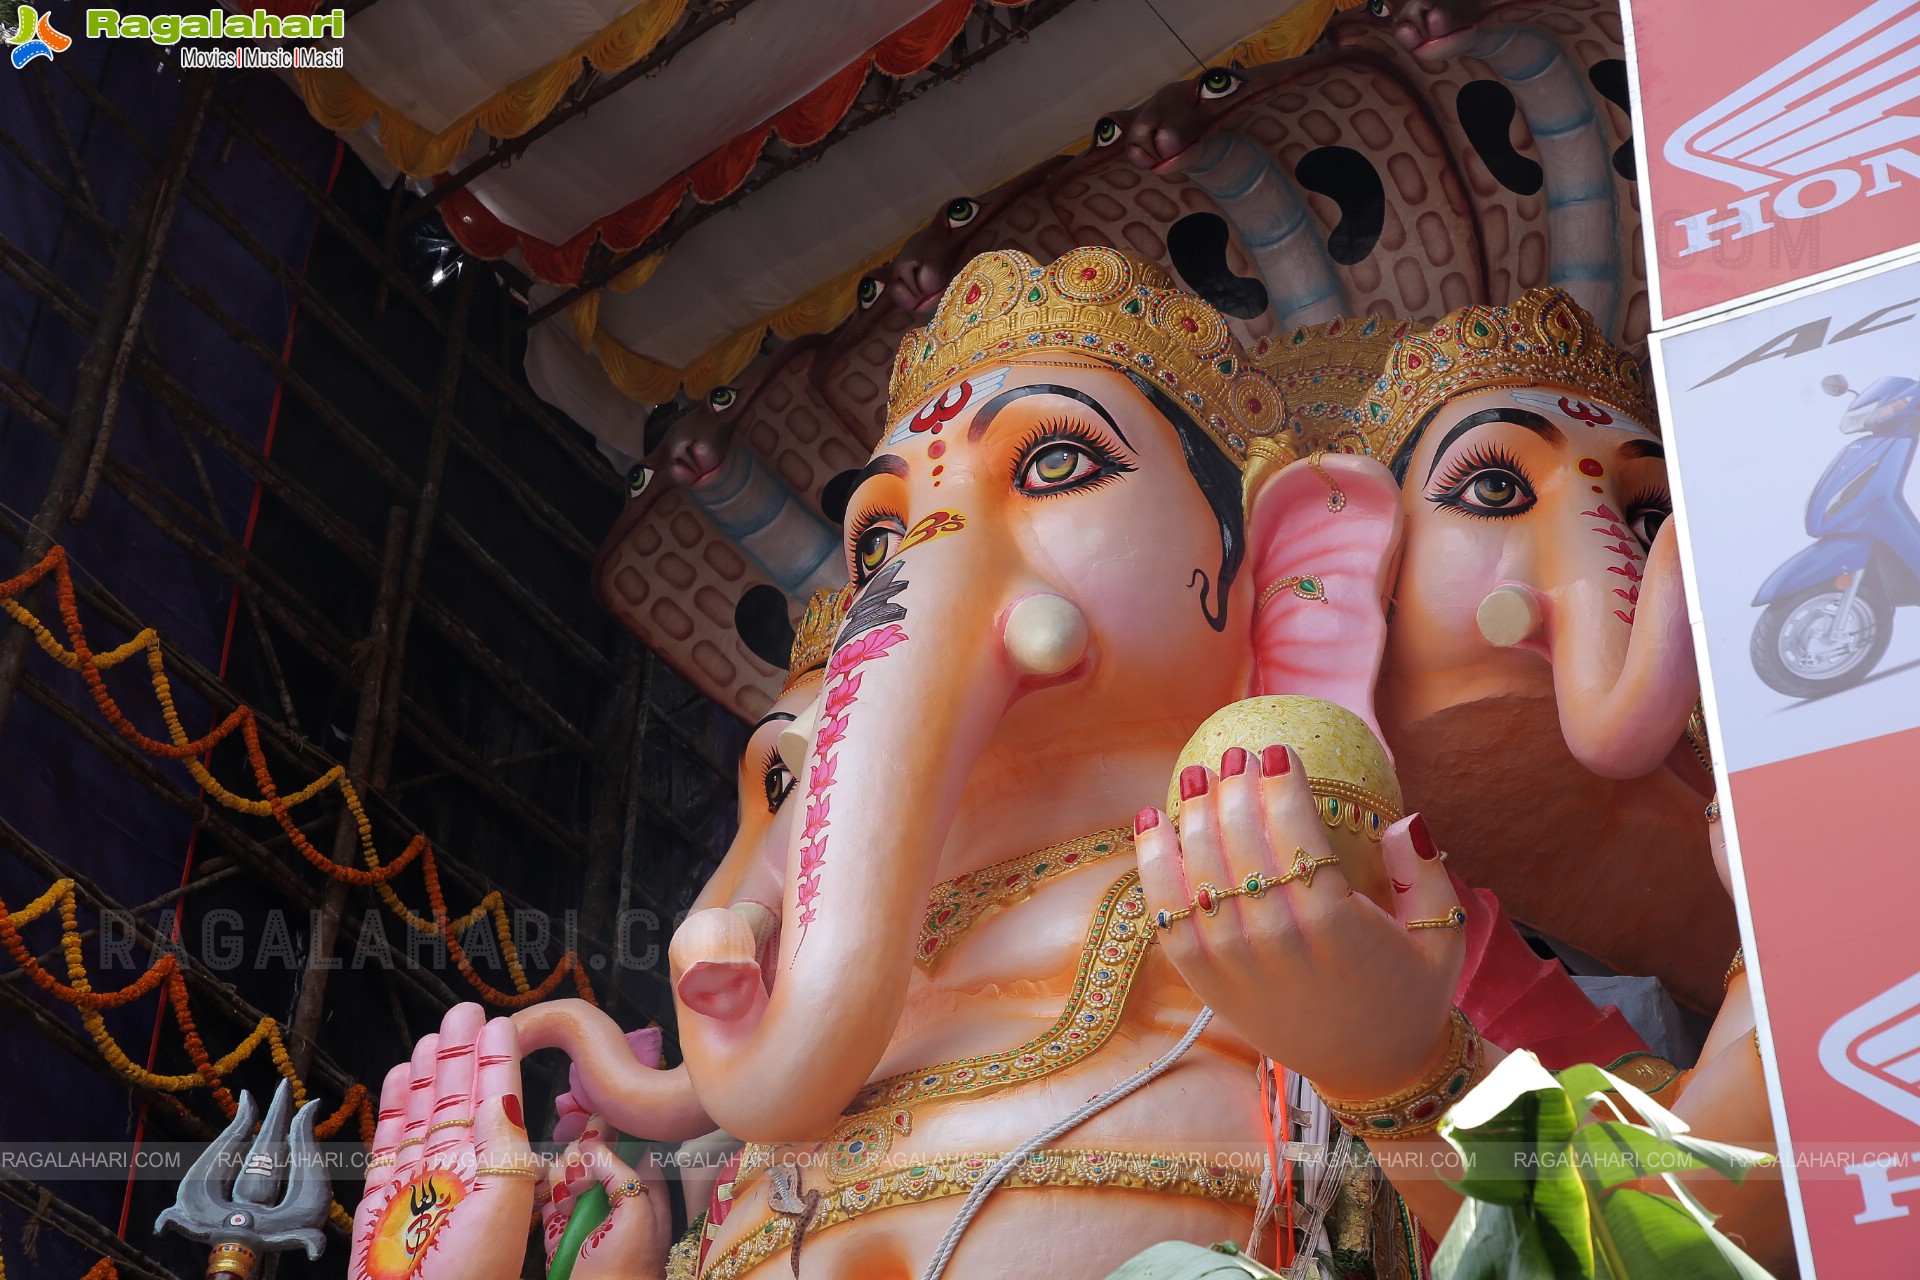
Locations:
(1548, 1194)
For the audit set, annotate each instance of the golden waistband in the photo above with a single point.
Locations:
(1117, 1170)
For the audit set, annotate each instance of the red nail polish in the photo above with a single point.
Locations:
(1233, 763)
(1146, 820)
(1274, 762)
(511, 1106)
(1193, 781)
(1422, 839)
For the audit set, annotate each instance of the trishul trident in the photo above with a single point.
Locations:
(254, 1218)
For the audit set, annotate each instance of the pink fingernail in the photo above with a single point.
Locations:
(1422, 839)
(1193, 781)
(1146, 820)
(1274, 762)
(1233, 763)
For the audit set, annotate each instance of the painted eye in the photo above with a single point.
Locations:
(1106, 132)
(1218, 83)
(1486, 483)
(1494, 489)
(961, 211)
(873, 547)
(778, 785)
(870, 291)
(1645, 521)
(721, 399)
(1379, 8)
(638, 478)
(1056, 465)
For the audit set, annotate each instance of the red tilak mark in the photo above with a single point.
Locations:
(943, 410)
(937, 450)
(1581, 411)
(937, 470)
(1590, 466)
(1598, 489)
(510, 1105)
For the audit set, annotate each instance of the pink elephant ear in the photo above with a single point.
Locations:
(1323, 573)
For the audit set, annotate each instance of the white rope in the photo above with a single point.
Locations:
(1088, 1109)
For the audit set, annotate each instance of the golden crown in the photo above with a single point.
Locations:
(1100, 303)
(813, 642)
(1544, 338)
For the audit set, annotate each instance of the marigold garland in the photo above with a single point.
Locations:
(78, 656)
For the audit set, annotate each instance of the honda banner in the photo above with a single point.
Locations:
(1779, 142)
(1792, 427)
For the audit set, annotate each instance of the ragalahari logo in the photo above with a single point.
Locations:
(34, 37)
(1811, 131)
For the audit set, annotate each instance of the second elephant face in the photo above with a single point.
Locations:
(1530, 487)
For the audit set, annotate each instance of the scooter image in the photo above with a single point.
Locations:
(1829, 609)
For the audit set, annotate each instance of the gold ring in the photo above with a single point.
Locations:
(409, 1142)
(1456, 918)
(1713, 810)
(1164, 919)
(505, 1171)
(450, 1124)
(1303, 868)
(626, 1191)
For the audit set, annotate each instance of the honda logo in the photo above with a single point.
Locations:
(1875, 1050)
(1814, 131)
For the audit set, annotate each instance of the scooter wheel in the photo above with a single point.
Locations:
(1791, 651)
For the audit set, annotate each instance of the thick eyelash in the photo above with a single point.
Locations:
(767, 764)
(1479, 458)
(1651, 496)
(1066, 430)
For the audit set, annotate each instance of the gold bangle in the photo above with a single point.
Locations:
(505, 1171)
(450, 1124)
(1738, 967)
(408, 1142)
(1416, 1111)
(1456, 918)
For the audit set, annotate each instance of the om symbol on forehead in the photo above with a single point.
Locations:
(948, 405)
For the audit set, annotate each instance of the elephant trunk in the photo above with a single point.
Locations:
(633, 1097)
(921, 674)
(1621, 647)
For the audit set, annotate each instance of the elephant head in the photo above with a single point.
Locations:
(1540, 667)
(1059, 516)
(612, 1073)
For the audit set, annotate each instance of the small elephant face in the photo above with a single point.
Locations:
(692, 448)
(1065, 478)
(1167, 125)
(1530, 486)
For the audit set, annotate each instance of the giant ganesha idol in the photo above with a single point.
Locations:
(1058, 551)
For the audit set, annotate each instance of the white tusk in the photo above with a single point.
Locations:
(1509, 615)
(796, 740)
(1046, 635)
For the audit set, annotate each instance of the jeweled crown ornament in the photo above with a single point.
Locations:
(1099, 303)
(1544, 338)
(272, 1198)
(813, 642)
